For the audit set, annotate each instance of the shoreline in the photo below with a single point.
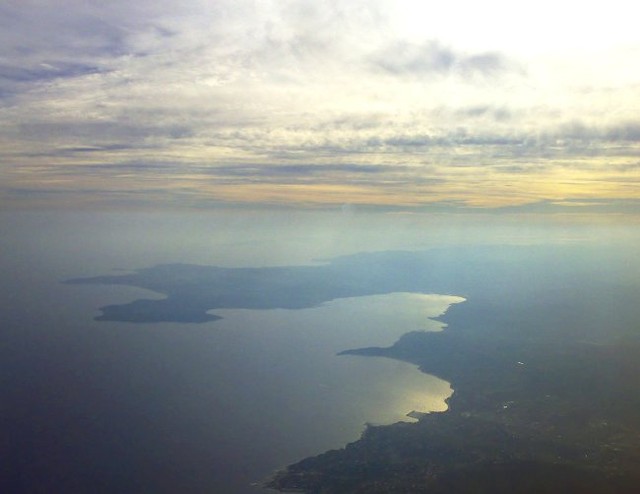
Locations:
(495, 421)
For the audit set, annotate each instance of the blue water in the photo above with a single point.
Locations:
(118, 407)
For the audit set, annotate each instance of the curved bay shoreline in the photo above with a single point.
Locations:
(543, 357)
(526, 416)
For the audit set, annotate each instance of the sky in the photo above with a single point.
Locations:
(392, 105)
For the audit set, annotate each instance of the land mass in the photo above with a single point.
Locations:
(543, 357)
(534, 420)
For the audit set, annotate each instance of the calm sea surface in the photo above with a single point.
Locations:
(106, 407)
(119, 407)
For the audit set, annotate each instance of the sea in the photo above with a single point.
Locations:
(215, 407)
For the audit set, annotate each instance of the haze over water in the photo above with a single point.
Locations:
(171, 406)
(165, 407)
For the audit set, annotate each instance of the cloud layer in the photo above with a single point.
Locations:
(311, 104)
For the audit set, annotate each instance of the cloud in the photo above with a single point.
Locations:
(308, 170)
(243, 101)
(498, 113)
(433, 58)
(628, 131)
(458, 138)
(45, 72)
(46, 41)
(578, 131)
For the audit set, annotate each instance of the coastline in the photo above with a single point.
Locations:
(535, 416)
(527, 394)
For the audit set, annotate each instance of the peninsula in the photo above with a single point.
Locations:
(543, 358)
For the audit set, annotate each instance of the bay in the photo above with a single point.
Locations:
(215, 407)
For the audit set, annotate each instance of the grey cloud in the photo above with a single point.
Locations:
(629, 131)
(74, 151)
(47, 31)
(485, 63)
(45, 71)
(235, 170)
(49, 40)
(107, 131)
(499, 114)
(490, 141)
(573, 138)
(451, 139)
(407, 141)
(577, 130)
(404, 57)
(112, 169)
(305, 170)
(343, 173)
(527, 167)
(626, 167)
(134, 167)
(32, 191)
(432, 58)
(390, 175)
(97, 149)
(503, 142)
(14, 79)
